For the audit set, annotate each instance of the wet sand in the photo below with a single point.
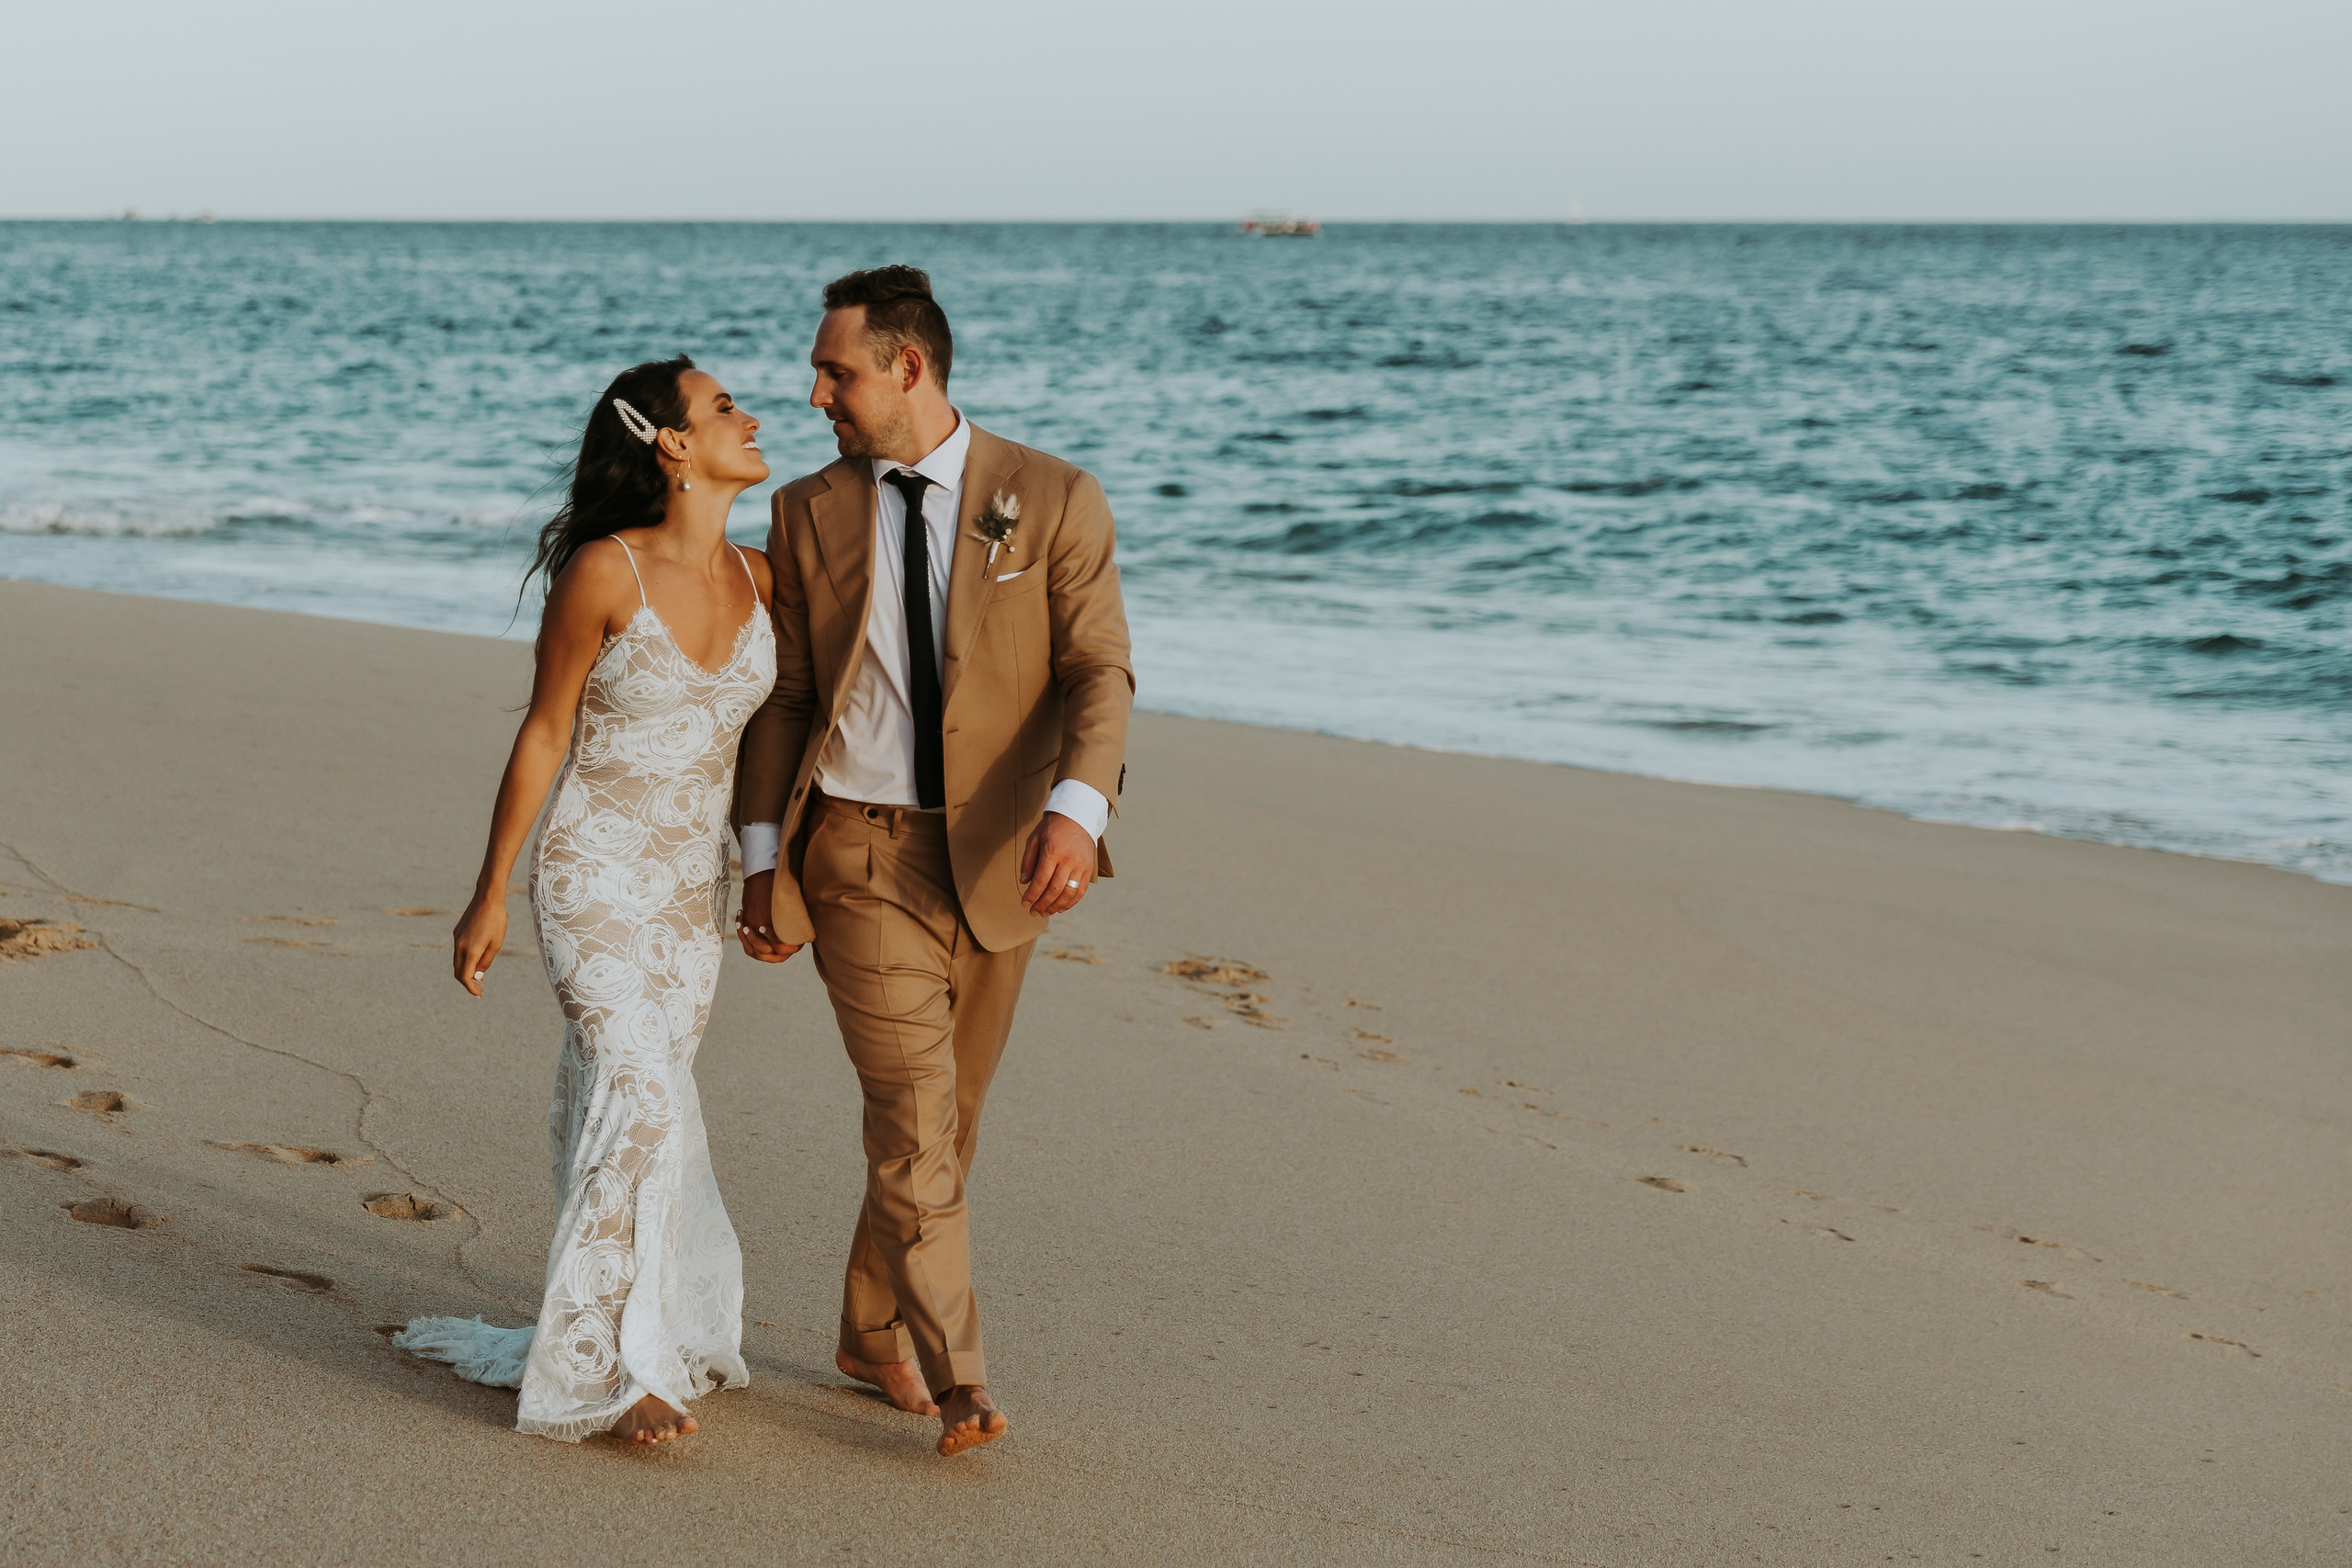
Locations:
(1604, 1171)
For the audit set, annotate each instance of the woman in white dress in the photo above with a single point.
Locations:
(654, 650)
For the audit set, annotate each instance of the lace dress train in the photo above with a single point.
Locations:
(645, 1280)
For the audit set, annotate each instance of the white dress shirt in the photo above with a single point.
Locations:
(870, 756)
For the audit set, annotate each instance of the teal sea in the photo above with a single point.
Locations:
(2041, 526)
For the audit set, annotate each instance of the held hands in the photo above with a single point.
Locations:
(755, 923)
(481, 932)
(1057, 869)
(1058, 865)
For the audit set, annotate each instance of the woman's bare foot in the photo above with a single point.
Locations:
(651, 1421)
(900, 1381)
(968, 1417)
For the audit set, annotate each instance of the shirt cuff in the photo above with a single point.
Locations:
(1081, 803)
(760, 842)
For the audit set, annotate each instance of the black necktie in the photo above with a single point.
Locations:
(923, 650)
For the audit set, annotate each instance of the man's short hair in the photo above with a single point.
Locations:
(898, 311)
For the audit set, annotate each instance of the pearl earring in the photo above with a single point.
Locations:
(684, 482)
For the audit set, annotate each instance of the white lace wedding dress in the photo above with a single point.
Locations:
(645, 1282)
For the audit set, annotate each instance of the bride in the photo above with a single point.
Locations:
(654, 650)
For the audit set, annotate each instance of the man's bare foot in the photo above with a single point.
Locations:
(968, 1417)
(900, 1381)
(651, 1421)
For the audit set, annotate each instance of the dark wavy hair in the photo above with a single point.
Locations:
(616, 480)
(898, 311)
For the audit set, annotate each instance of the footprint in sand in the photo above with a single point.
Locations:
(1379, 1055)
(2159, 1290)
(1368, 1034)
(1205, 971)
(2047, 1287)
(289, 919)
(423, 911)
(289, 1154)
(39, 938)
(1075, 955)
(38, 1058)
(1250, 1007)
(293, 1278)
(2019, 1235)
(406, 1206)
(1713, 1153)
(1214, 970)
(103, 1101)
(1206, 1022)
(280, 942)
(49, 1157)
(113, 1212)
(2232, 1344)
(1664, 1183)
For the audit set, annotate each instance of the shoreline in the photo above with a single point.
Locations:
(1342, 735)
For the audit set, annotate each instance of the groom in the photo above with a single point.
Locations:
(928, 782)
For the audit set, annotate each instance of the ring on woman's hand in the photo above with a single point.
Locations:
(1073, 882)
(481, 974)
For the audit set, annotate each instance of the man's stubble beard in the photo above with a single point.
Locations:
(893, 437)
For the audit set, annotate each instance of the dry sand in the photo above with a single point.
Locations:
(1606, 1171)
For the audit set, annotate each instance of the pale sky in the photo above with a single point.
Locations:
(1204, 109)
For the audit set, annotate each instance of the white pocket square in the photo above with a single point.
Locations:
(1010, 575)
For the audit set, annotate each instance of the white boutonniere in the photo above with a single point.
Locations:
(995, 525)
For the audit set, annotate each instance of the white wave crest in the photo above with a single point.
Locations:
(101, 522)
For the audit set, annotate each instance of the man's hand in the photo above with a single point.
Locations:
(1057, 867)
(755, 923)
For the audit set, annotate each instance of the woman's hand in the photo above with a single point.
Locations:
(755, 923)
(481, 932)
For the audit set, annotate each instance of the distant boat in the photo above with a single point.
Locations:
(1281, 225)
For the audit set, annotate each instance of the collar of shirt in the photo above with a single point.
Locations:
(944, 467)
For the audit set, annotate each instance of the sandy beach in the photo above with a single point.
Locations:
(1540, 1164)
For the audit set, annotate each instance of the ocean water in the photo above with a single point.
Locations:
(2043, 528)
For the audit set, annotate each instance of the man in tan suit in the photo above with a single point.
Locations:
(928, 783)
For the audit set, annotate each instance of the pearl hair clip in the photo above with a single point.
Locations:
(637, 424)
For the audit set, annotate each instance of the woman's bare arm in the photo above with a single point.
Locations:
(591, 601)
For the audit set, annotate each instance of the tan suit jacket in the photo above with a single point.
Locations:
(1037, 682)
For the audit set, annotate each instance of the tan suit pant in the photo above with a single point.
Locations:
(924, 1012)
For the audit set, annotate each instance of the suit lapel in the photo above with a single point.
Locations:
(843, 516)
(988, 469)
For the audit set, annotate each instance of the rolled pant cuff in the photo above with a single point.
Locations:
(953, 1369)
(882, 1346)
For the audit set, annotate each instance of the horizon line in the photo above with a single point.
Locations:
(133, 215)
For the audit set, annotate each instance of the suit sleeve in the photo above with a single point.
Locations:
(778, 733)
(1092, 661)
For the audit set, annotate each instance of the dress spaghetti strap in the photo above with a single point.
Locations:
(746, 563)
(632, 568)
